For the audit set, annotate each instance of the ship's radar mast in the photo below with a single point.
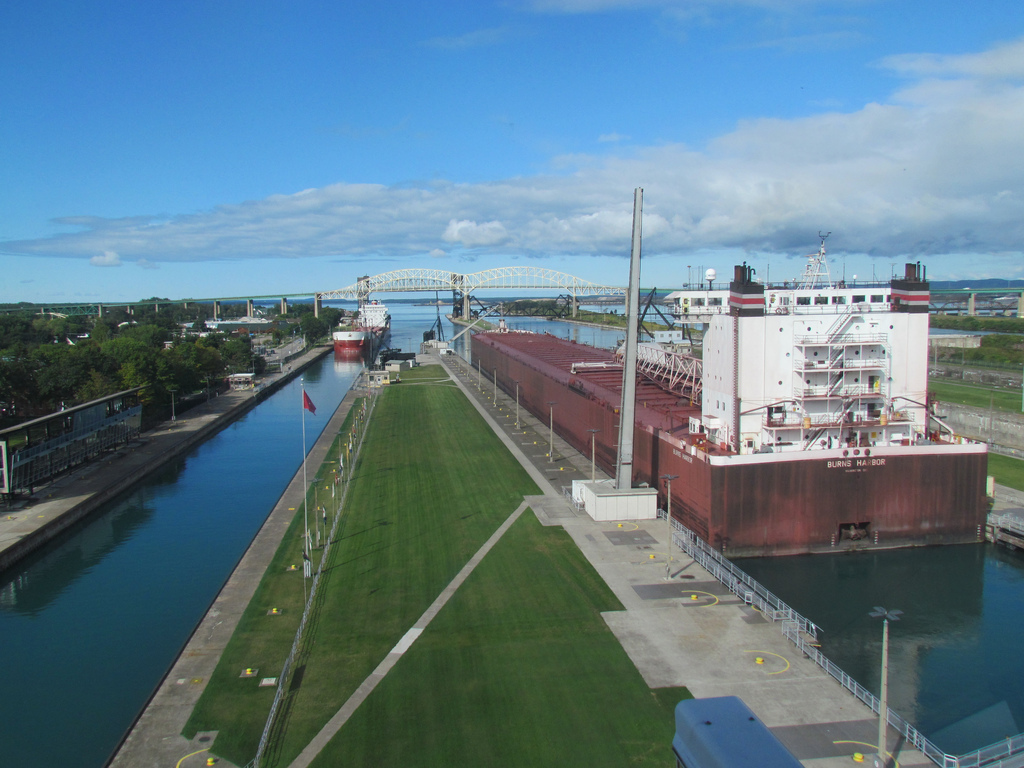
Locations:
(816, 271)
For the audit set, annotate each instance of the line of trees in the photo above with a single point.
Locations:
(1003, 346)
(49, 363)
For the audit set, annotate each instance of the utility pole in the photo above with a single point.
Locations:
(517, 404)
(883, 704)
(668, 516)
(551, 430)
(593, 434)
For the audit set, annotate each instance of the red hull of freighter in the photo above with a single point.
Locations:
(351, 349)
(759, 504)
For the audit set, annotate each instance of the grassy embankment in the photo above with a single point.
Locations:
(518, 668)
(1006, 470)
(975, 395)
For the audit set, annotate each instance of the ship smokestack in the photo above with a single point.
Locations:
(624, 461)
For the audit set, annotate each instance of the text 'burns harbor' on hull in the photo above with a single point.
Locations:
(371, 331)
(805, 428)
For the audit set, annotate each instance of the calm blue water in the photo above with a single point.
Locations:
(90, 625)
(956, 656)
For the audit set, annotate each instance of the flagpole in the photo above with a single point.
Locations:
(305, 491)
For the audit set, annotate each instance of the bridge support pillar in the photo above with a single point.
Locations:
(185, 304)
(249, 308)
(99, 310)
(1020, 306)
(466, 306)
(216, 310)
(972, 308)
(156, 308)
(318, 304)
(284, 306)
(575, 306)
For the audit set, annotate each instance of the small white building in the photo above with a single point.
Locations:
(242, 381)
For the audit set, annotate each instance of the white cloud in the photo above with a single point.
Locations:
(612, 137)
(108, 259)
(936, 169)
(473, 235)
(437, 253)
(1002, 61)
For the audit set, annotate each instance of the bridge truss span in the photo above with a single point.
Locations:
(404, 280)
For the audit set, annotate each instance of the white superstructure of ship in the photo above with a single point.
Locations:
(371, 331)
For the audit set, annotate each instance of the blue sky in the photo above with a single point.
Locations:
(234, 148)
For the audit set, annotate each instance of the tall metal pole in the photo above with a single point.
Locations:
(494, 398)
(624, 461)
(517, 405)
(173, 417)
(668, 516)
(593, 434)
(305, 496)
(883, 703)
(551, 430)
(883, 706)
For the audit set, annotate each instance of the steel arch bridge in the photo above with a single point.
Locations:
(402, 280)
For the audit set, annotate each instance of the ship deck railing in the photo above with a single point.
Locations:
(803, 633)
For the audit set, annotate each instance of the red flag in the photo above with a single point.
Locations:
(307, 403)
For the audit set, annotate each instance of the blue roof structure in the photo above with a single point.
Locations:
(723, 733)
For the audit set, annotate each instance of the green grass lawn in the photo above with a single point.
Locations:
(432, 484)
(1006, 470)
(519, 669)
(975, 395)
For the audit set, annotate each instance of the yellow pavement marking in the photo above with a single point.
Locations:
(698, 592)
(896, 763)
(778, 655)
(193, 754)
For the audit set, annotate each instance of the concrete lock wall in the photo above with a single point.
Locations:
(994, 427)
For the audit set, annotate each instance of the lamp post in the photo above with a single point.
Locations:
(551, 430)
(883, 704)
(494, 397)
(173, 417)
(517, 404)
(668, 516)
(593, 434)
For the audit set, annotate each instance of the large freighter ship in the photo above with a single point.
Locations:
(804, 428)
(370, 332)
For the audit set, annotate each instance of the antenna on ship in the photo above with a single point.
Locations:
(816, 270)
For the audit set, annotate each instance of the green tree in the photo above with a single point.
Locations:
(312, 327)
